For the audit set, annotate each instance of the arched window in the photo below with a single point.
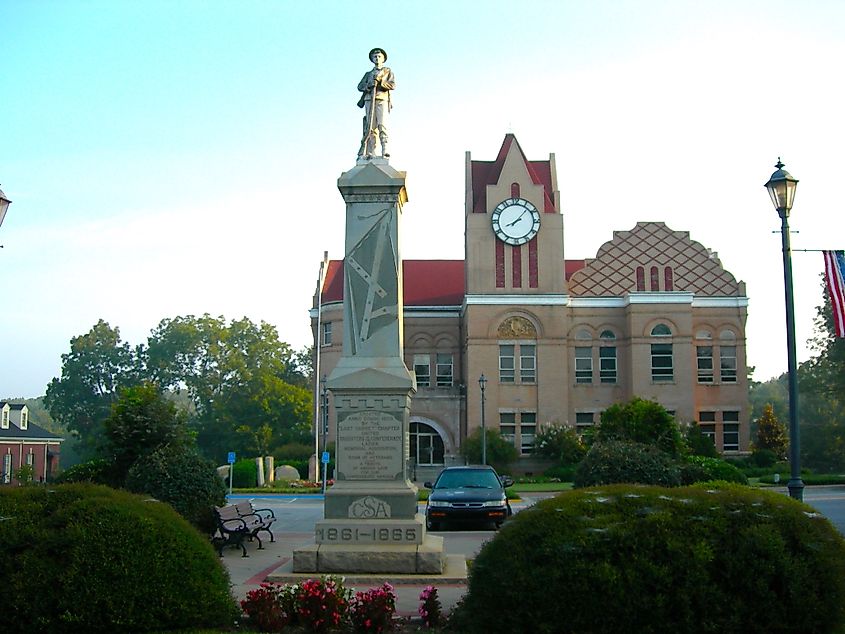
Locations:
(607, 357)
(655, 280)
(426, 445)
(662, 367)
(640, 278)
(668, 280)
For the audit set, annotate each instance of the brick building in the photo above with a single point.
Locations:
(25, 443)
(653, 315)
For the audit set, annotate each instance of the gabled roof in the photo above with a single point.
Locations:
(33, 432)
(486, 173)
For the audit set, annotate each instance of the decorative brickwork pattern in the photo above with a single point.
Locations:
(694, 268)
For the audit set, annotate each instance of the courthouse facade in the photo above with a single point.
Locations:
(558, 340)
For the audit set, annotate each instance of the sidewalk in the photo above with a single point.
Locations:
(247, 573)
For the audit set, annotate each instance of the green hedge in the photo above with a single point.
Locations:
(650, 559)
(615, 461)
(716, 469)
(244, 474)
(87, 558)
(183, 479)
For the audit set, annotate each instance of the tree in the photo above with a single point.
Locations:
(98, 364)
(560, 443)
(641, 421)
(500, 452)
(771, 433)
(699, 443)
(241, 379)
(142, 421)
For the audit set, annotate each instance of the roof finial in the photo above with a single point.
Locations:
(779, 165)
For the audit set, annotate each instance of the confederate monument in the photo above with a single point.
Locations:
(370, 520)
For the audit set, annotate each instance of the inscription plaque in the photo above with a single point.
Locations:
(369, 508)
(369, 445)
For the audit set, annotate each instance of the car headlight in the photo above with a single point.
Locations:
(438, 503)
(495, 502)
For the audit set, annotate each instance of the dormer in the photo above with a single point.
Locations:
(19, 415)
(4, 415)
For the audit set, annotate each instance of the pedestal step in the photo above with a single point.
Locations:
(426, 558)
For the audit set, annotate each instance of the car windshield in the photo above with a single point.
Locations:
(468, 479)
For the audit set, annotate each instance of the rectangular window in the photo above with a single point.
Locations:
(527, 432)
(7, 468)
(607, 364)
(24, 419)
(708, 430)
(444, 370)
(727, 363)
(30, 459)
(527, 363)
(507, 426)
(583, 365)
(707, 423)
(584, 421)
(422, 368)
(4, 421)
(327, 333)
(704, 355)
(730, 431)
(506, 364)
(661, 363)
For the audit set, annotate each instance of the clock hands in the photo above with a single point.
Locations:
(518, 218)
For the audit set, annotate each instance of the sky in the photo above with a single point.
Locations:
(181, 157)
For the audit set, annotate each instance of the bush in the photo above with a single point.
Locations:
(699, 443)
(618, 461)
(87, 558)
(716, 469)
(183, 479)
(500, 453)
(293, 451)
(763, 458)
(244, 474)
(562, 444)
(643, 422)
(657, 560)
(562, 474)
(96, 471)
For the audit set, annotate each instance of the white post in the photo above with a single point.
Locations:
(259, 463)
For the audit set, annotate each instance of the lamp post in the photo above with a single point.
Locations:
(325, 427)
(781, 188)
(482, 383)
(4, 207)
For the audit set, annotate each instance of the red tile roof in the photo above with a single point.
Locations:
(488, 172)
(426, 282)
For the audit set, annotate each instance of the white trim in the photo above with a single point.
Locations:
(524, 300)
(662, 297)
(720, 302)
(432, 311)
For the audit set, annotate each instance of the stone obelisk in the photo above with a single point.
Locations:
(371, 524)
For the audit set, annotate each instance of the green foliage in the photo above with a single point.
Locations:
(244, 474)
(293, 451)
(763, 458)
(563, 474)
(98, 364)
(182, 478)
(25, 474)
(500, 453)
(698, 443)
(620, 461)
(142, 420)
(96, 471)
(716, 469)
(771, 433)
(560, 443)
(641, 421)
(87, 558)
(648, 559)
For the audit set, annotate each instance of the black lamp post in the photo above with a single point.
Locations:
(324, 394)
(4, 207)
(482, 383)
(781, 188)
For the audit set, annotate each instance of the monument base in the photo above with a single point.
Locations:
(427, 558)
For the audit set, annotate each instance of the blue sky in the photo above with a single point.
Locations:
(173, 158)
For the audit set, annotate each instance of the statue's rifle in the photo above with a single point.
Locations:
(372, 117)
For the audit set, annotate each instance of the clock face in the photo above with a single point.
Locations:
(515, 221)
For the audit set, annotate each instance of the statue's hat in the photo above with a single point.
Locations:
(377, 50)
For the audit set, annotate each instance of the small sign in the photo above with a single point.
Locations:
(231, 459)
(325, 457)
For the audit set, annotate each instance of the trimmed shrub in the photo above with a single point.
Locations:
(564, 474)
(244, 474)
(650, 559)
(699, 443)
(618, 461)
(763, 458)
(562, 444)
(717, 469)
(87, 558)
(641, 421)
(500, 453)
(96, 471)
(183, 479)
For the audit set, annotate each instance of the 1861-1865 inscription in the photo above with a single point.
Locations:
(370, 445)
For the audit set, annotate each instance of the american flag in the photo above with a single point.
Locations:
(834, 272)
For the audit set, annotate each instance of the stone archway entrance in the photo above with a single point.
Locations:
(427, 448)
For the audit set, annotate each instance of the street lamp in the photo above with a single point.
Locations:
(781, 188)
(4, 206)
(325, 400)
(482, 383)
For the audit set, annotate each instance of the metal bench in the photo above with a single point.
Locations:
(231, 529)
(257, 520)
